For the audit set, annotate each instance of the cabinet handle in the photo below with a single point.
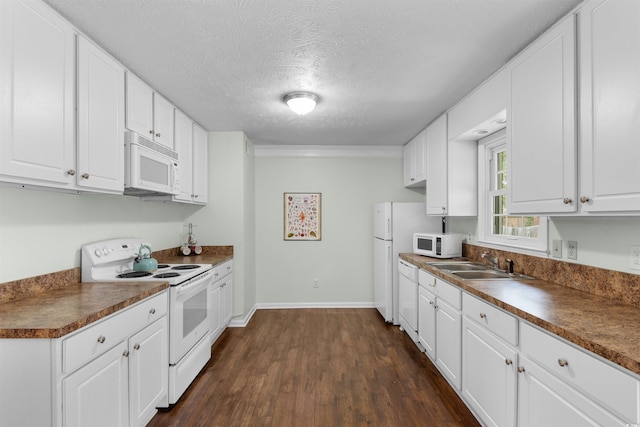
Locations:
(431, 302)
(151, 131)
(158, 134)
(101, 339)
(126, 353)
(567, 201)
(562, 362)
(483, 316)
(195, 195)
(71, 172)
(520, 369)
(85, 176)
(435, 307)
(433, 285)
(584, 199)
(508, 361)
(152, 311)
(136, 346)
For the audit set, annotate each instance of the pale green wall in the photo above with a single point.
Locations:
(229, 216)
(343, 260)
(43, 231)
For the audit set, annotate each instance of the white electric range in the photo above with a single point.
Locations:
(189, 348)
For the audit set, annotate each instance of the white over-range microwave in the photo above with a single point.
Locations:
(437, 245)
(149, 168)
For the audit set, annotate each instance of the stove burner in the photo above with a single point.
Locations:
(163, 265)
(133, 275)
(185, 267)
(166, 275)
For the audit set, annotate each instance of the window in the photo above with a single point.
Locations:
(496, 225)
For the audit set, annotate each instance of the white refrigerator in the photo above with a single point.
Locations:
(393, 228)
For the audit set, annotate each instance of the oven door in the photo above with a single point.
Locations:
(188, 315)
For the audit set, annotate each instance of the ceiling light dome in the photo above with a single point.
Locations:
(301, 102)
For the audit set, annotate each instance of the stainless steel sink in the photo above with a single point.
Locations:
(458, 266)
(475, 271)
(488, 275)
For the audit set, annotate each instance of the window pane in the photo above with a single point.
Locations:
(501, 181)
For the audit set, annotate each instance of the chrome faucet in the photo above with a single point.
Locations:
(493, 260)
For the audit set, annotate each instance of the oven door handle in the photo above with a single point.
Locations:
(196, 282)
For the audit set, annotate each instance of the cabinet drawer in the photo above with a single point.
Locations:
(93, 340)
(448, 292)
(608, 385)
(497, 321)
(222, 270)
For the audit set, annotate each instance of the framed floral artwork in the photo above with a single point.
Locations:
(302, 216)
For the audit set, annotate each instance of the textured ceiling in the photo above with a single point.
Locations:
(383, 69)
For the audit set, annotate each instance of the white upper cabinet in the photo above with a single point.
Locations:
(148, 113)
(609, 41)
(200, 165)
(37, 82)
(184, 146)
(100, 119)
(541, 134)
(415, 161)
(452, 173)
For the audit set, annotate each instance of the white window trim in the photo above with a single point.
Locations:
(534, 247)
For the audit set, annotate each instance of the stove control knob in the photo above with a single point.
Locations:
(105, 251)
(98, 252)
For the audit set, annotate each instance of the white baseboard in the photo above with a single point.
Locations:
(276, 305)
(241, 322)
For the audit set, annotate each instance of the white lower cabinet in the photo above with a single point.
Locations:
(489, 375)
(148, 360)
(221, 299)
(427, 321)
(439, 324)
(511, 373)
(113, 372)
(96, 395)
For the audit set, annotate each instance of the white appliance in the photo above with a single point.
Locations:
(189, 346)
(149, 168)
(437, 245)
(408, 298)
(393, 228)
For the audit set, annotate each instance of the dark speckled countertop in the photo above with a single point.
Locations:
(57, 304)
(66, 309)
(603, 326)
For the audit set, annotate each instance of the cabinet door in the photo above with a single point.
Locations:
(544, 400)
(427, 322)
(184, 146)
(139, 107)
(541, 137)
(215, 309)
(407, 162)
(37, 82)
(148, 371)
(227, 301)
(97, 394)
(489, 376)
(200, 166)
(437, 181)
(610, 113)
(420, 158)
(163, 121)
(100, 119)
(449, 342)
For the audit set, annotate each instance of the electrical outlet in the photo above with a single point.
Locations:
(572, 249)
(557, 249)
(315, 283)
(634, 257)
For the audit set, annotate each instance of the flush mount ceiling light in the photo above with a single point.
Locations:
(301, 102)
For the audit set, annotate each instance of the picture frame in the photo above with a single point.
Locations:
(303, 216)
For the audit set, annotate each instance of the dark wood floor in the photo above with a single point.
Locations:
(317, 368)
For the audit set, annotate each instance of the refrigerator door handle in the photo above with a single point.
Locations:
(389, 253)
(389, 227)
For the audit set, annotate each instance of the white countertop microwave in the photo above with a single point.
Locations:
(437, 245)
